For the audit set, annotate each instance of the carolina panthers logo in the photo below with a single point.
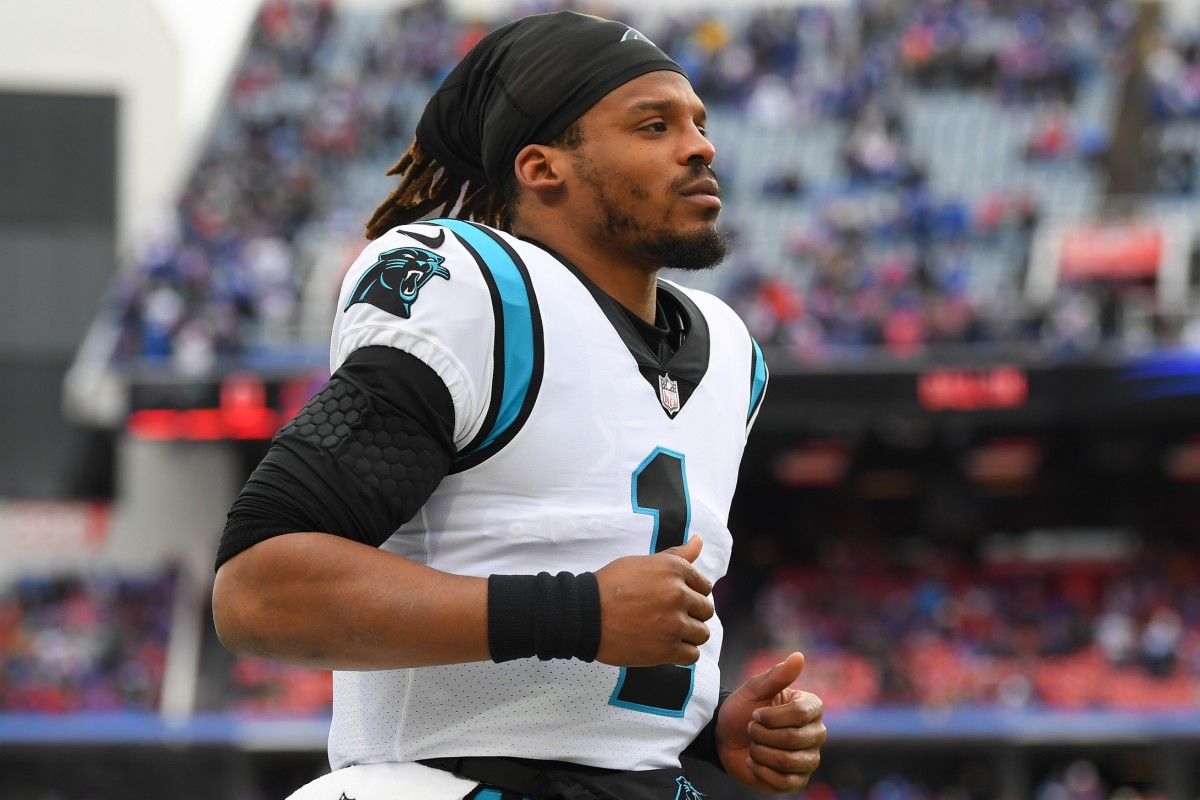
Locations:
(686, 790)
(394, 281)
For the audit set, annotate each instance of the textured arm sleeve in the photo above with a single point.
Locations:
(359, 459)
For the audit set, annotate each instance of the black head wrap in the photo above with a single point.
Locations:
(525, 83)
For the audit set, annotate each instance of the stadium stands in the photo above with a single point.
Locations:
(84, 643)
(888, 173)
(866, 158)
(948, 632)
(893, 171)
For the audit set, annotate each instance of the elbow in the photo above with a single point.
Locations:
(264, 605)
(233, 614)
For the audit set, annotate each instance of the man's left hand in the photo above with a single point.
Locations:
(769, 735)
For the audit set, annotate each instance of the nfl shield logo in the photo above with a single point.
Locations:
(668, 393)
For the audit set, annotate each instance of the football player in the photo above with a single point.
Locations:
(501, 519)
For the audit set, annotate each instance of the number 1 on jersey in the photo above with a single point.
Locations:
(660, 490)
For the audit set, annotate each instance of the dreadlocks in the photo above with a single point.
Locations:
(427, 187)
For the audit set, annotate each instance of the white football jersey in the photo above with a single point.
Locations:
(576, 447)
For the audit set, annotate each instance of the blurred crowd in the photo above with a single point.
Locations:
(1173, 67)
(1078, 779)
(952, 631)
(878, 630)
(875, 261)
(890, 271)
(325, 99)
(940, 629)
(258, 686)
(223, 273)
(74, 643)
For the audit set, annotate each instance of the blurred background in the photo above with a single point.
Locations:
(966, 236)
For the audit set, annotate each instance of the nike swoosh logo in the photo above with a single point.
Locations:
(432, 242)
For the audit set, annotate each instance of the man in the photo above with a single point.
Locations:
(500, 520)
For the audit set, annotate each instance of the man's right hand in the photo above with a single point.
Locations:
(653, 608)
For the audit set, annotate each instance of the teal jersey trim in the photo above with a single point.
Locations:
(758, 380)
(516, 326)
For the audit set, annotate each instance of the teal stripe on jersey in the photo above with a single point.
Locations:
(516, 325)
(758, 380)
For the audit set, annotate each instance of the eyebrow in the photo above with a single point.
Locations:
(659, 106)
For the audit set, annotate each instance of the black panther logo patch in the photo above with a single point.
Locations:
(394, 281)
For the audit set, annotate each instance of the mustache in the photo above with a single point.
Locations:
(696, 172)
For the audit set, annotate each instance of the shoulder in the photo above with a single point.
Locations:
(421, 266)
(417, 289)
(454, 237)
(731, 345)
(717, 313)
(470, 246)
(439, 275)
(456, 295)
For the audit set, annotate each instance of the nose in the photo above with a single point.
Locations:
(698, 146)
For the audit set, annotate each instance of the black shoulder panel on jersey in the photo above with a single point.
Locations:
(519, 350)
(359, 459)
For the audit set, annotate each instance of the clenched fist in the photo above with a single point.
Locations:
(653, 608)
(769, 734)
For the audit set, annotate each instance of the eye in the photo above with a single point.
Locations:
(655, 127)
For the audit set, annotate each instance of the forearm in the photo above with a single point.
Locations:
(328, 602)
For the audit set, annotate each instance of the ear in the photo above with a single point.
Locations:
(539, 168)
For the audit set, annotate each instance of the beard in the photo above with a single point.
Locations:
(657, 246)
(691, 252)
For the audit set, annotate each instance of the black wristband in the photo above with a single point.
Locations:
(543, 615)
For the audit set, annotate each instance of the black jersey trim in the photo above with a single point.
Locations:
(519, 350)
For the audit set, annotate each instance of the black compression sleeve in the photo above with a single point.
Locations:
(359, 459)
